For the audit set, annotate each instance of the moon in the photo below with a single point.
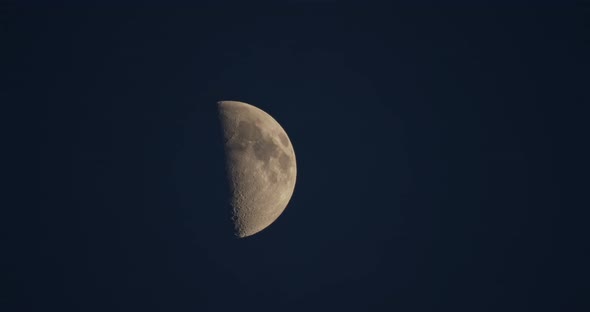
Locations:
(260, 166)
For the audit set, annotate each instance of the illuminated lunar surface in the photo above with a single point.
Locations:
(260, 163)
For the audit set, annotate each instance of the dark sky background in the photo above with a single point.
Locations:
(435, 148)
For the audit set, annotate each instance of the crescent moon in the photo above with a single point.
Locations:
(260, 165)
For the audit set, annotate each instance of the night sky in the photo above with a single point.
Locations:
(435, 149)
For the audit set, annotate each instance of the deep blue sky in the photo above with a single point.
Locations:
(432, 145)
